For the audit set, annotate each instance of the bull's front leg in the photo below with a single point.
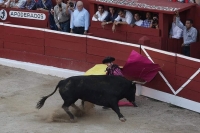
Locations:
(134, 104)
(115, 107)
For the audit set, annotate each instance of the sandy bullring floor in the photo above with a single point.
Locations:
(20, 91)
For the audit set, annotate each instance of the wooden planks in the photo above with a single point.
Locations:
(79, 52)
(65, 46)
(24, 39)
(108, 34)
(24, 47)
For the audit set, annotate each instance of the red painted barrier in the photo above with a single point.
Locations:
(1, 43)
(179, 76)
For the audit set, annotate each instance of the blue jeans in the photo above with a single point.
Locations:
(186, 50)
(65, 26)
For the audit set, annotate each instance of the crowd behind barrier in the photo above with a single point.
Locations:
(64, 16)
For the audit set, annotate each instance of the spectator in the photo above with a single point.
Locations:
(175, 31)
(110, 18)
(197, 1)
(29, 4)
(46, 5)
(72, 7)
(189, 34)
(100, 15)
(154, 22)
(137, 20)
(124, 17)
(4, 3)
(1, 2)
(183, 1)
(62, 16)
(80, 20)
(147, 22)
(15, 3)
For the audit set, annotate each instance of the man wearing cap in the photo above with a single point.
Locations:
(114, 69)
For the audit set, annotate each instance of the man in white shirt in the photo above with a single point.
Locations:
(175, 31)
(124, 17)
(1, 2)
(100, 15)
(138, 21)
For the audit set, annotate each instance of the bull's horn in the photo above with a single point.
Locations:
(137, 82)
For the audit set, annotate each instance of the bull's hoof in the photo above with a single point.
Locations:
(73, 120)
(123, 119)
(135, 105)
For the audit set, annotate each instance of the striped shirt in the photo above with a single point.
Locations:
(189, 36)
(146, 23)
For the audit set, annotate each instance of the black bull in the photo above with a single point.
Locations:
(101, 90)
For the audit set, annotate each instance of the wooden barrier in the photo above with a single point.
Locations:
(174, 45)
(106, 32)
(195, 50)
(186, 69)
(126, 33)
(180, 75)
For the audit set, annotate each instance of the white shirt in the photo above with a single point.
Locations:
(128, 17)
(100, 17)
(139, 22)
(176, 32)
(18, 4)
(6, 3)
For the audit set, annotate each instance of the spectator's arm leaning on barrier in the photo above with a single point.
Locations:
(126, 15)
(111, 16)
(107, 20)
(115, 22)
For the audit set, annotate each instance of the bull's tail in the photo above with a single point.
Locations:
(42, 101)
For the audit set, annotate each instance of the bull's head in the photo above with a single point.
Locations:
(130, 95)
